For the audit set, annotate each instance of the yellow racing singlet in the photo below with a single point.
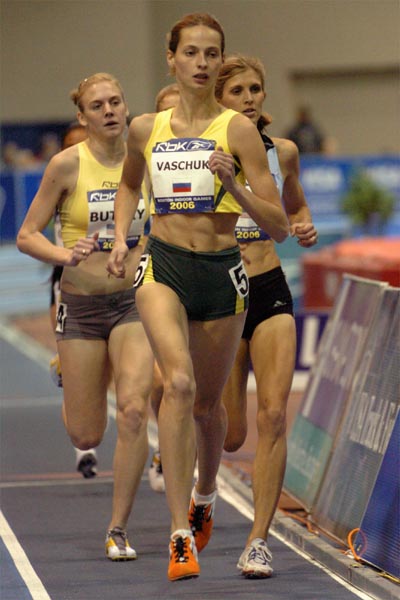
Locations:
(90, 207)
(181, 179)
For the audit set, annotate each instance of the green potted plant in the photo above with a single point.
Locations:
(368, 205)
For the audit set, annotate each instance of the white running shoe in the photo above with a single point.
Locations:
(255, 560)
(156, 477)
(117, 545)
(86, 462)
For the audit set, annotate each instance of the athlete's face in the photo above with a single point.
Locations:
(198, 57)
(104, 109)
(244, 93)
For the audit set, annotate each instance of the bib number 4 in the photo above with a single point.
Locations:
(61, 316)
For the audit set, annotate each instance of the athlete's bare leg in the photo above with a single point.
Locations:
(170, 342)
(85, 368)
(212, 364)
(272, 350)
(132, 362)
(234, 398)
(179, 361)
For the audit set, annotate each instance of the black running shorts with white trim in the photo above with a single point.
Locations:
(269, 295)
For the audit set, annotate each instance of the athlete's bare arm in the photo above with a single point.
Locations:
(262, 203)
(297, 210)
(58, 182)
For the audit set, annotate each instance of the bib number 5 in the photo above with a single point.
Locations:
(141, 269)
(240, 280)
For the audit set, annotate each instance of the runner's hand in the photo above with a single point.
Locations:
(83, 248)
(116, 262)
(222, 164)
(306, 234)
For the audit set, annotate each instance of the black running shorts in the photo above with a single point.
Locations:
(210, 285)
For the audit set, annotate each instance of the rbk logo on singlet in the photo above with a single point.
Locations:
(185, 145)
(181, 178)
(109, 184)
(101, 196)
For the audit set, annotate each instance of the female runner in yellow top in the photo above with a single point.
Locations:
(98, 326)
(191, 285)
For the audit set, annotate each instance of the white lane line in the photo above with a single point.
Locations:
(25, 344)
(36, 483)
(33, 583)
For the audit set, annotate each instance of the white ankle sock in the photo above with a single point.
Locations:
(200, 499)
(181, 533)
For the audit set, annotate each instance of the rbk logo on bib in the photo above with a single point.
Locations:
(182, 180)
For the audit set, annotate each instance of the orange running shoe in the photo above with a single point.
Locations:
(182, 556)
(201, 521)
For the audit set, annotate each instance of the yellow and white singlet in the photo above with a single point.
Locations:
(90, 208)
(181, 179)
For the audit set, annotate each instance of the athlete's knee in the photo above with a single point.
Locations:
(235, 436)
(133, 414)
(179, 386)
(85, 434)
(208, 408)
(271, 420)
(85, 440)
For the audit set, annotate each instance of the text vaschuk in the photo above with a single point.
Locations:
(183, 165)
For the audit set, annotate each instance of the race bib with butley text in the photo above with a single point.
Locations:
(101, 219)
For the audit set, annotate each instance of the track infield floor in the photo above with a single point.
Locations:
(52, 521)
